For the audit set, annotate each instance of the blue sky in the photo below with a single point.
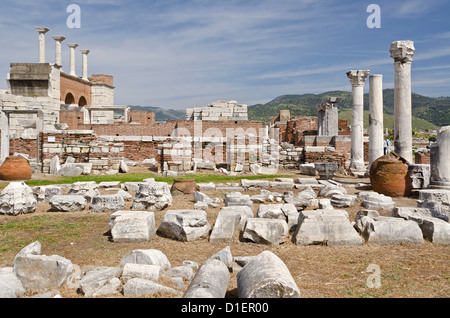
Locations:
(179, 54)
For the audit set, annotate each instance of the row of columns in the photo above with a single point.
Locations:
(402, 53)
(59, 39)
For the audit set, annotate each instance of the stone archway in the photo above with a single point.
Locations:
(82, 101)
(69, 99)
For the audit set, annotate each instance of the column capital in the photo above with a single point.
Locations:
(329, 103)
(357, 78)
(42, 29)
(402, 51)
(85, 51)
(72, 45)
(58, 38)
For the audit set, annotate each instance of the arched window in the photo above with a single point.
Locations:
(69, 99)
(82, 101)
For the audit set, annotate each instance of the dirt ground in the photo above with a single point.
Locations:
(407, 270)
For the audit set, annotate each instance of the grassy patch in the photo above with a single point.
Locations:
(17, 234)
(137, 177)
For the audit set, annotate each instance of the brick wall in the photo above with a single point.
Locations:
(25, 146)
(422, 158)
(61, 143)
(366, 151)
(102, 78)
(327, 156)
(343, 146)
(300, 126)
(142, 117)
(84, 146)
(76, 86)
(141, 150)
(72, 118)
(343, 127)
(297, 125)
(224, 126)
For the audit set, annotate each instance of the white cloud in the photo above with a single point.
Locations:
(189, 53)
(416, 7)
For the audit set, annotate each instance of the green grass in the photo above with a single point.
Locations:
(43, 228)
(137, 177)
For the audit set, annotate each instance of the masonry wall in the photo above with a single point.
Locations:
(139, 125)
(422, 158)
(144, 118)
(295, 128)
(84, 146)
(76, 86)
(24, 146)
(209, 127)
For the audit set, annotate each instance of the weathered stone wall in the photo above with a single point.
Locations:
(25, 124)
(82, 145)
(221, 110)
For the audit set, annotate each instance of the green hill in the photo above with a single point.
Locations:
(427, 111)
(388, 121)
(162, 114)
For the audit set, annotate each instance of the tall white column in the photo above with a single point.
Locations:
(375, 118)
(357, 78)
(439, 160)
(402, 53)
(4, 125)
(42, 31)
(85, 65)
(72, 46)
(58, 39)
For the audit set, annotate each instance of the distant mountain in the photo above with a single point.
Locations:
(429, 111)
(162, 114)
(433, 110)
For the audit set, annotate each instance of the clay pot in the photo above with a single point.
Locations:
(181, 186)
(389, 176)
(15, 168)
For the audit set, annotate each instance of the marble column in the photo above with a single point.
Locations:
(402, 53)
(376, 139)
(328, 117)
(42, 31)
(357, 78)
(439, 160)
(72, 46)
(85, 64)
(58, 39)
(4, 145)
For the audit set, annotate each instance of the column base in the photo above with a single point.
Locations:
(358, 169)
(439, 185)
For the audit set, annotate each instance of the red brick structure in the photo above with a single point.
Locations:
(138, 125)
(292, 129)
(102, 78)
(74, 90)
(422, 158)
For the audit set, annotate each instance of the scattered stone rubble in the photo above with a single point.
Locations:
(147, 272)
(313, 215)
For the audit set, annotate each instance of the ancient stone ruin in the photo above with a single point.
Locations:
(69, 126)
